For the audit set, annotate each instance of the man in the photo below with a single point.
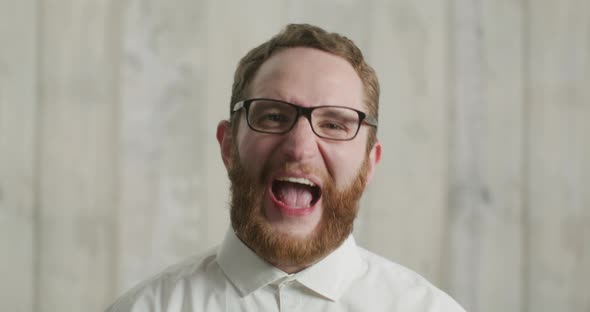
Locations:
(299, 148)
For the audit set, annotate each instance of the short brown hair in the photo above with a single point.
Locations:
(305, 35)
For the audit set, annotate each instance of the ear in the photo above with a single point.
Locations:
(374, 159)
(224, 137)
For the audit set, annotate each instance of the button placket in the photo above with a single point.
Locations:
(288, 299)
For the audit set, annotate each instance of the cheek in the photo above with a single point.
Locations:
(254, 152)
(245, 147)
(345, 163)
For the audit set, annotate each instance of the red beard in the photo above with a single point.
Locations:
(250, 224)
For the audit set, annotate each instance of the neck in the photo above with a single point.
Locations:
(290, 269)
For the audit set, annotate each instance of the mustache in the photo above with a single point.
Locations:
(269, 168)
(300, 168)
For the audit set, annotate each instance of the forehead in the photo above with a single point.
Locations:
(308, 77)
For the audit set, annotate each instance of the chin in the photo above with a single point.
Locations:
(297, 232)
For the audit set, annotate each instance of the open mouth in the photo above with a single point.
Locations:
(296, 192)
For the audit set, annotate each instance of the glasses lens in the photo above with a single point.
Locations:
(335, 122)
(271, 116)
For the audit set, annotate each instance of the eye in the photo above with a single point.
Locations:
(275, 117)
(270, 120)
(332, 126)
(335, 122)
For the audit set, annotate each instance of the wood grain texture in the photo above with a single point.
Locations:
(352, 19)
(163, 214)
(77, 150)
(404, 211)
(18, 109)
(486, 185)
(559, 156)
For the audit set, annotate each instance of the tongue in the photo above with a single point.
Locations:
(294, 195)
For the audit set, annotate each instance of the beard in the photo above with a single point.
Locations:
(249, 222)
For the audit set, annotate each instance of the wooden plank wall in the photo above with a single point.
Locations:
(18, 132)
(110, 171)
(558, 147)
(77, 150)
(408, 42)
(486, 186)
(162, 136)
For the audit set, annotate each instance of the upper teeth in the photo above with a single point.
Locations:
(297, 180)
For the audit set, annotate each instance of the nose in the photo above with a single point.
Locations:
(301, 142)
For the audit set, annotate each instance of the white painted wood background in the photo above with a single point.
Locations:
(109, 168)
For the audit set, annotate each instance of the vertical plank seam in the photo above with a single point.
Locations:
(465, 151)
(204, 213)
(37, 156)
(525, 152)
(115, 33)
(451, 81)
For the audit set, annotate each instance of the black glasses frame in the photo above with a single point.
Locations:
(304, 111)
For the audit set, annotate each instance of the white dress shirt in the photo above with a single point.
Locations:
(235, 279)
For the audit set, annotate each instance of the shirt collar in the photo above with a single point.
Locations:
(329, 277)
(246, 270)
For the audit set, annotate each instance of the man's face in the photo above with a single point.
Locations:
(295, 195)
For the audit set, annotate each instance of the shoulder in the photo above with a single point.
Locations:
(389, 270)
(407, 289)
(163, 286)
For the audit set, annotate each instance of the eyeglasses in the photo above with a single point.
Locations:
(329, 122)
